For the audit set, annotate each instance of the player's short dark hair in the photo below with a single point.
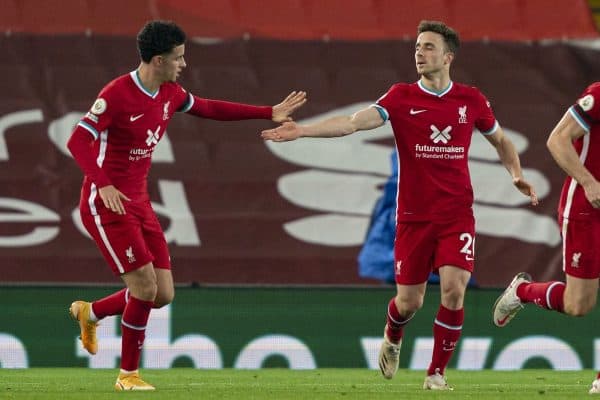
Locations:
(158, 37)
(450, 36)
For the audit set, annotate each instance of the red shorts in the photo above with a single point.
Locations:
(580, 254)
(422, 247)
(128, 241)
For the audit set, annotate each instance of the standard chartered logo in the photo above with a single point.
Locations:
(342, 176)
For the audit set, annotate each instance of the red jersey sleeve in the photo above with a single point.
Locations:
(586, 109)
(88, 130)
(486, 121)
(222, 110)
(80, 145)
(386, 102)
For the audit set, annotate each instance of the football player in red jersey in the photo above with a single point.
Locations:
(574, 143)
(433, 120)
(113, 144)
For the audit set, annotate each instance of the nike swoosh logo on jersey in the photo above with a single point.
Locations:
(136, 117)
(413, 111)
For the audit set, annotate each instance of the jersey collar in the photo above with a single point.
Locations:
(434, 93)
(138, 82)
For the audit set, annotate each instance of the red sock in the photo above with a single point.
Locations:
(548, 295)
(133, 328)
(394, 328)
(447, 328)
(113, 304)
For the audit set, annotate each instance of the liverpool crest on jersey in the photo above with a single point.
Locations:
(462, 115)
(166, 110)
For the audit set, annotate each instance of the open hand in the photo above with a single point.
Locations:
(287, 131)
(283, 110)
(112, 199)
(527, 189)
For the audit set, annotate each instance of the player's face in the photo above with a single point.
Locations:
(430, 53)
(173, 63)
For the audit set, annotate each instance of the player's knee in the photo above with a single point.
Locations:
(578, 309)
(163, 299)
(453, 297)
(407, 306)
(148, 291)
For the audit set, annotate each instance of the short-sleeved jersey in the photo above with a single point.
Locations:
(573, 203)
(127, 122)
(433, 133)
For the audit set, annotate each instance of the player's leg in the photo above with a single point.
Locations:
(580, 296)
(412, 246)
(401, 309)
(447, 326)
(454, 262)
(87, 314)
(156, 242)
(166, 289)
(142, 284)
(508, 304)
(582, 268)
(120, 241)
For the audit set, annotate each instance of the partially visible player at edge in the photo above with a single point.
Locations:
(433, 121)
(575, 146)
(113, 144)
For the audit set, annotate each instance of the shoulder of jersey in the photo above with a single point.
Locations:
(173, 86)
(595, 87)
(466, 88)
(117, 84)
(401, 87)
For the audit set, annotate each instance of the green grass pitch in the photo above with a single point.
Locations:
(276, 383)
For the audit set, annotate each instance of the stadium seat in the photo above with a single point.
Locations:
(103, 18)
(358, 18)
(46, 16)
(286, 22)
(202, 18)
(9, 17)
(402, 22)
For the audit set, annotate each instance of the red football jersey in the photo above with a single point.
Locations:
(127, 122)
(433, 134)
(573, 203)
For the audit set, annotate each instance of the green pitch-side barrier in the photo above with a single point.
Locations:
(299, 328)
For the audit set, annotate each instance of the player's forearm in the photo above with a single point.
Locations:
(332, 127)
(566, 157)
(80, 146)
(228, 111)
(509, 157)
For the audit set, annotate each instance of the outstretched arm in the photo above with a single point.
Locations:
(510, 159)
(560, 144)
(365, 119)
(230, 111)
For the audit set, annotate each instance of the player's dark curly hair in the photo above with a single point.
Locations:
(158, 37)
(450, 36)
